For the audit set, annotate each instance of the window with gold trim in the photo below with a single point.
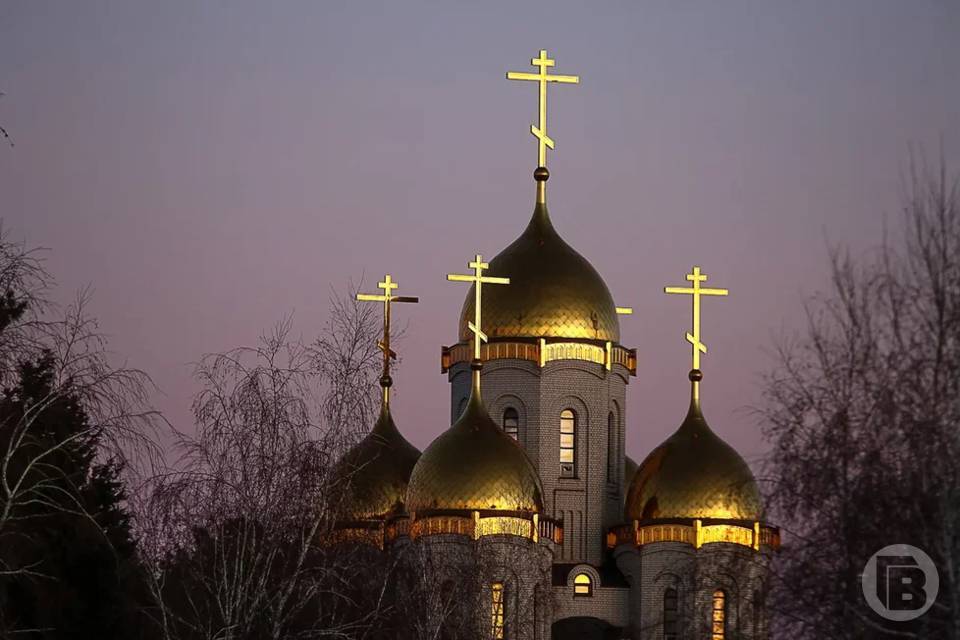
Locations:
(511, 422)
(582, 585)
(719, 617)
(568, 435)
(496, 611)
(671, 615)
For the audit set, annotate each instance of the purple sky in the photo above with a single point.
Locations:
(210, 167)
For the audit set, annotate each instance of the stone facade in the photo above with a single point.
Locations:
(590, 501)
(695, 575)
(629, 583)
(462, 572)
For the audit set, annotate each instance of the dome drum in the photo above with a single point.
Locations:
(365, 533)
(695, 532)
(476, 525)
(542, 351)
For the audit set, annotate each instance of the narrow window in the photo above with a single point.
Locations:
(568, 434)
(671, 616)
(719, 615)
(611, 448)
(496, 610)
(582, 585)
(758, 614)
(511, 422)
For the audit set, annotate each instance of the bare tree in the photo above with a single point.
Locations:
(114, 399)
(862, 415)
(237, 536)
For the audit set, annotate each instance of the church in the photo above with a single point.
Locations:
(530, 493)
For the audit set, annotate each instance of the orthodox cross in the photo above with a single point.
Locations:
(478, 279)
(696, 290)
(539, 131)
(387, 298)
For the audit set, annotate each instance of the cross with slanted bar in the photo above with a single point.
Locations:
(696, 290)
(539, 131)
(387, 298)
(478, 266)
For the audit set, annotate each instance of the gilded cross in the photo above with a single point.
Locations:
(696, 290)
(539, 130)
(387, 298)
(478, 266)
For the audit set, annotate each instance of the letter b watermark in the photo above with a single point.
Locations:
(900, 582)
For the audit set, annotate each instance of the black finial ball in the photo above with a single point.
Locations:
(540, 174)
(476, 365)
(386, 382)
(696, 375)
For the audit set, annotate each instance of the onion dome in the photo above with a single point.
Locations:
(693, 474)
(376, 471)
(554, 292)
(474, 466)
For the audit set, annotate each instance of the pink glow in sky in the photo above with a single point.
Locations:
(211, 167)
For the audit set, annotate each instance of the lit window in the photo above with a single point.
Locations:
(568, 432)
(611, 448)
(511, 422)
(582, 585)
(671, 616)
(719, 615)
(496, 610)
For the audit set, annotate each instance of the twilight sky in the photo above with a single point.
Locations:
(209, 167)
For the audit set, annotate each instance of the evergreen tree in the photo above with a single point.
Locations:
(69, 547)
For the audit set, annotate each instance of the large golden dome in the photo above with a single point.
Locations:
(553, 292)
(474, 466)
(693, 474)
(376, 472)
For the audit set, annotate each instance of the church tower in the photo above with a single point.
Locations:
(554, 370)
(525, 519)
(696, 550)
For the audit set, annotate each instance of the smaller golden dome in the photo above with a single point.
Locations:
(376, 471)
(693, 474)
(474, 466)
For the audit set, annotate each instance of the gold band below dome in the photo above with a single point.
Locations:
(370, 536)
(476, 526)
(541, 352)
(696, 534)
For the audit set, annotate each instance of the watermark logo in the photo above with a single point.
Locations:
(900, 582)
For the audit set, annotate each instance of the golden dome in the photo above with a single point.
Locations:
(376, 472)
(474, 466)
(693, 474)
(553, 292)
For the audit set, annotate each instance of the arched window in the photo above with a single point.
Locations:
(719, 617)
(671, 615)
(582, 585)
(568, 435)
(511, 422)
(496, 611)
(611, 447)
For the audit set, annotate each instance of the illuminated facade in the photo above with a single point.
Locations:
(530, 492)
